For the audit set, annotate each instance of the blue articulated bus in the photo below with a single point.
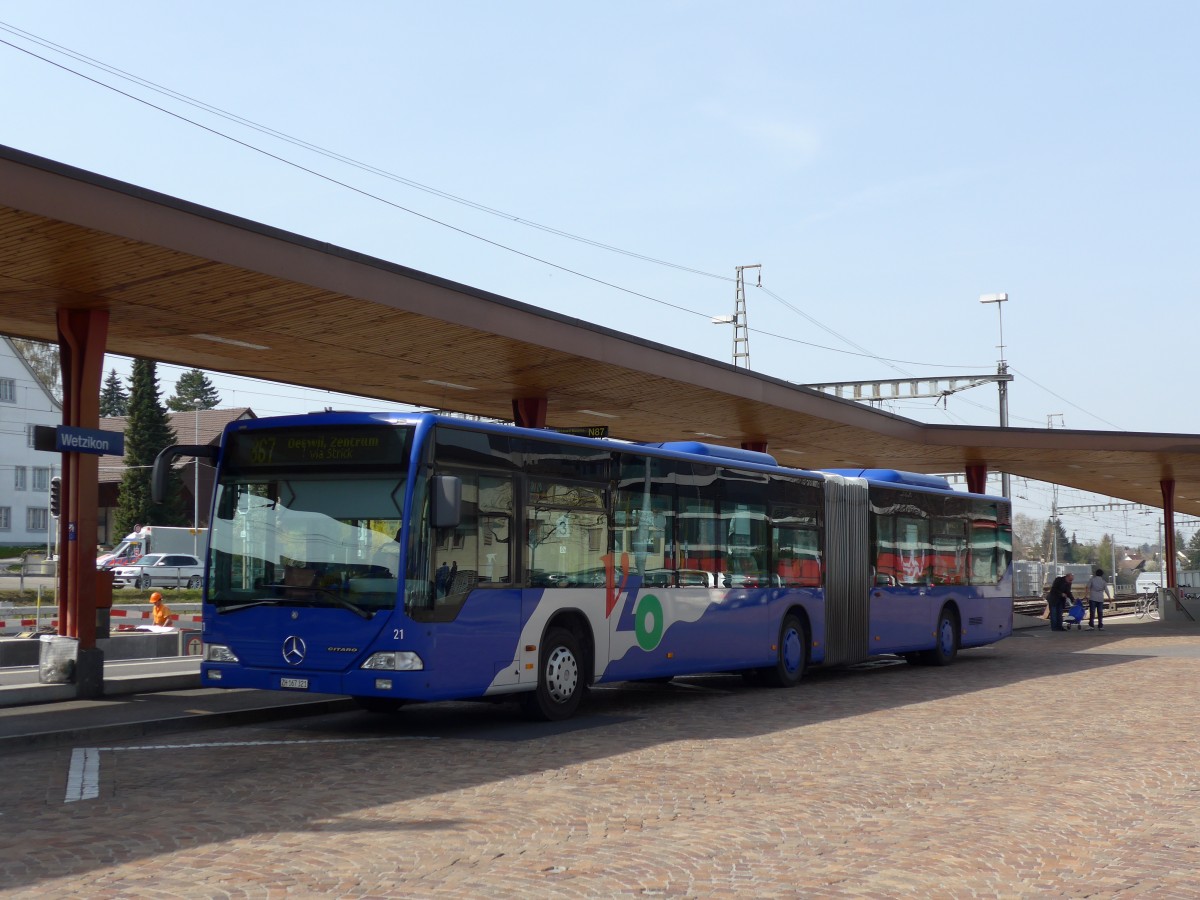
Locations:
(418, 557)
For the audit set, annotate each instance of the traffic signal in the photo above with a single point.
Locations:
(55, 496)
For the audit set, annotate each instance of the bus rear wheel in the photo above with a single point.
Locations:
(791, 659)
(561, 681)
(946, 648)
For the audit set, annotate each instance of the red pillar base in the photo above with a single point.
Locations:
(529, 412)
(977, 478)
(82, 335)
(1169, 548)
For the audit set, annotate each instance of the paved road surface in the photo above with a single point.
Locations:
(164, 665)
(1058, 764)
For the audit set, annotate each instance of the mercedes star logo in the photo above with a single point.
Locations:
(294, 650)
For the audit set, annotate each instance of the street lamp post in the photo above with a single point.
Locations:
(1002, 384)
(196, 487)
(728, 320)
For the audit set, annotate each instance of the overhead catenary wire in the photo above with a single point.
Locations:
(1065, 400)
(417, 185)
(892, 363)
(342, 158)
(348, 160)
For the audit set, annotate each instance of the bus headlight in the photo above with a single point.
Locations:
(219, 653)
(395, 661)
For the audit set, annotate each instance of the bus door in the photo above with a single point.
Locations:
(567, 560)
(744, 626)
(902, 596)
(471, 594)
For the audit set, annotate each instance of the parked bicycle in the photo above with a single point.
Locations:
(1147, 605)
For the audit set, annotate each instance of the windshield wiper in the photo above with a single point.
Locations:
(316, 596)
(221, 610)
(353, 607)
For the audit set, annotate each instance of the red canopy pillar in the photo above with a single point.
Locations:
(529, 412)
(82, 334)
(757, 446)
(977, 478)
(1168, 492)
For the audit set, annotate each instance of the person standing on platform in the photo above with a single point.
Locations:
(1060, 598)
(1096, 587)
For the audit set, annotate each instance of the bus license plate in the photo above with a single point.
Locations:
(300, 684)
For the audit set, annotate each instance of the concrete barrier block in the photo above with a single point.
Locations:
(19, 652)
(139, 645)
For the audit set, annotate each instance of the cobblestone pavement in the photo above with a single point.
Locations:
(1057, 764)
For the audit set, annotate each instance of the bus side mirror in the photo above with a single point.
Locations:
(447, 501)
(162, 465)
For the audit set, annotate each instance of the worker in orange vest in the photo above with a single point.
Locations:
(162, 612)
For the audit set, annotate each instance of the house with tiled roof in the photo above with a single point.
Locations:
(25, 472)
(202, 426)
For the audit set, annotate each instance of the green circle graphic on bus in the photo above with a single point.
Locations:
(648, 622)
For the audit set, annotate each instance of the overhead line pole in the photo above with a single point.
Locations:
(741, 330)
(909, 388)
(1003, 380)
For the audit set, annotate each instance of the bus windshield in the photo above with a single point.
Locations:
(300, 532)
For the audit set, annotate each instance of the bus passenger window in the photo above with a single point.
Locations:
(566, 535)
(887, 560)
(698, 548)
(644, 521)
(796, 534)
(914, 551)
(797, 557)
(949, 552)
(986, 567)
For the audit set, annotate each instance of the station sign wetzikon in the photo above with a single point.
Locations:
(79, 440)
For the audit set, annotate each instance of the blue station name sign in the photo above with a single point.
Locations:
(89, 440)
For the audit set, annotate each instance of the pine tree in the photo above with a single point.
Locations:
(1193, 551)
(193, 390)
(148, 431)
(1053, 533)
(114, 399)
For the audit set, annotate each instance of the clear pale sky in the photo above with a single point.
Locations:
(885, 163)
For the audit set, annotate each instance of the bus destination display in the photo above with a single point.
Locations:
(317, 447)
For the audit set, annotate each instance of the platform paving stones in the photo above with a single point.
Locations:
(1050, 764)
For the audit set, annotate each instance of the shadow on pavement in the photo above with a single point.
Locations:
(309, 774)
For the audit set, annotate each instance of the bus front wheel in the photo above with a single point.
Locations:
(561, 681)
(791, 659)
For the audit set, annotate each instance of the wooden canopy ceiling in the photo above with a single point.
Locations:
(195, 287)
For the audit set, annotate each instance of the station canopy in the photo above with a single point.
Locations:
(196, 287)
